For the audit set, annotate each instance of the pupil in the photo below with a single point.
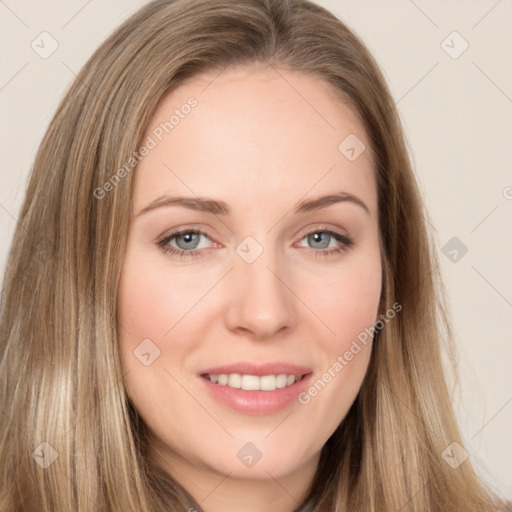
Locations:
(188, 238)
(317, 237)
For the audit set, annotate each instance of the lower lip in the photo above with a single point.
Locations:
(257, 402)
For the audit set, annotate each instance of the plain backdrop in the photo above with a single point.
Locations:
(448, 66)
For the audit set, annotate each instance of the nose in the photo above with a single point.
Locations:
(261, 298)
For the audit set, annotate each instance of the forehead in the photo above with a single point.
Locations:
(254, 132)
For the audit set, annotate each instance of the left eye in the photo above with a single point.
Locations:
(322, 238)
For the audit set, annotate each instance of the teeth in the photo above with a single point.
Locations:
(281, 381)
(235, 380)
(254, 382)
(251, 382)
(266, 382)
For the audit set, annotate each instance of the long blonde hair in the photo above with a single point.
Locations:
(61, 380)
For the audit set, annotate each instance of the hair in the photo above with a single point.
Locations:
(61, 378)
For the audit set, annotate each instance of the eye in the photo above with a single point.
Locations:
(322, 239)
(186, 240)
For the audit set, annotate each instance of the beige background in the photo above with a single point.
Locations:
(457, 116)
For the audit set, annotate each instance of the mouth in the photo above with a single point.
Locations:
(249, 382)
(248, 388)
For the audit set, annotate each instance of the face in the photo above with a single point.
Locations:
(238, 315)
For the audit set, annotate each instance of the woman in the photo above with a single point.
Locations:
(258, 371)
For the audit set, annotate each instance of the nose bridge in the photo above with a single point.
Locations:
(261, 301)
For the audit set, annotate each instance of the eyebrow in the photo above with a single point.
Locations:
(216, 207)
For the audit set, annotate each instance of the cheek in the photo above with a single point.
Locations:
(349, 308)
(150, 303)
(349, 300)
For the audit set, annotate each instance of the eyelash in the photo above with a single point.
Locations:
(346, 241)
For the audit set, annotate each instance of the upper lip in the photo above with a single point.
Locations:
(247, 368)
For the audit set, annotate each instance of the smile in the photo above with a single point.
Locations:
(254, 382)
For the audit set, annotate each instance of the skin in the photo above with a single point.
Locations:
(260, 139)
